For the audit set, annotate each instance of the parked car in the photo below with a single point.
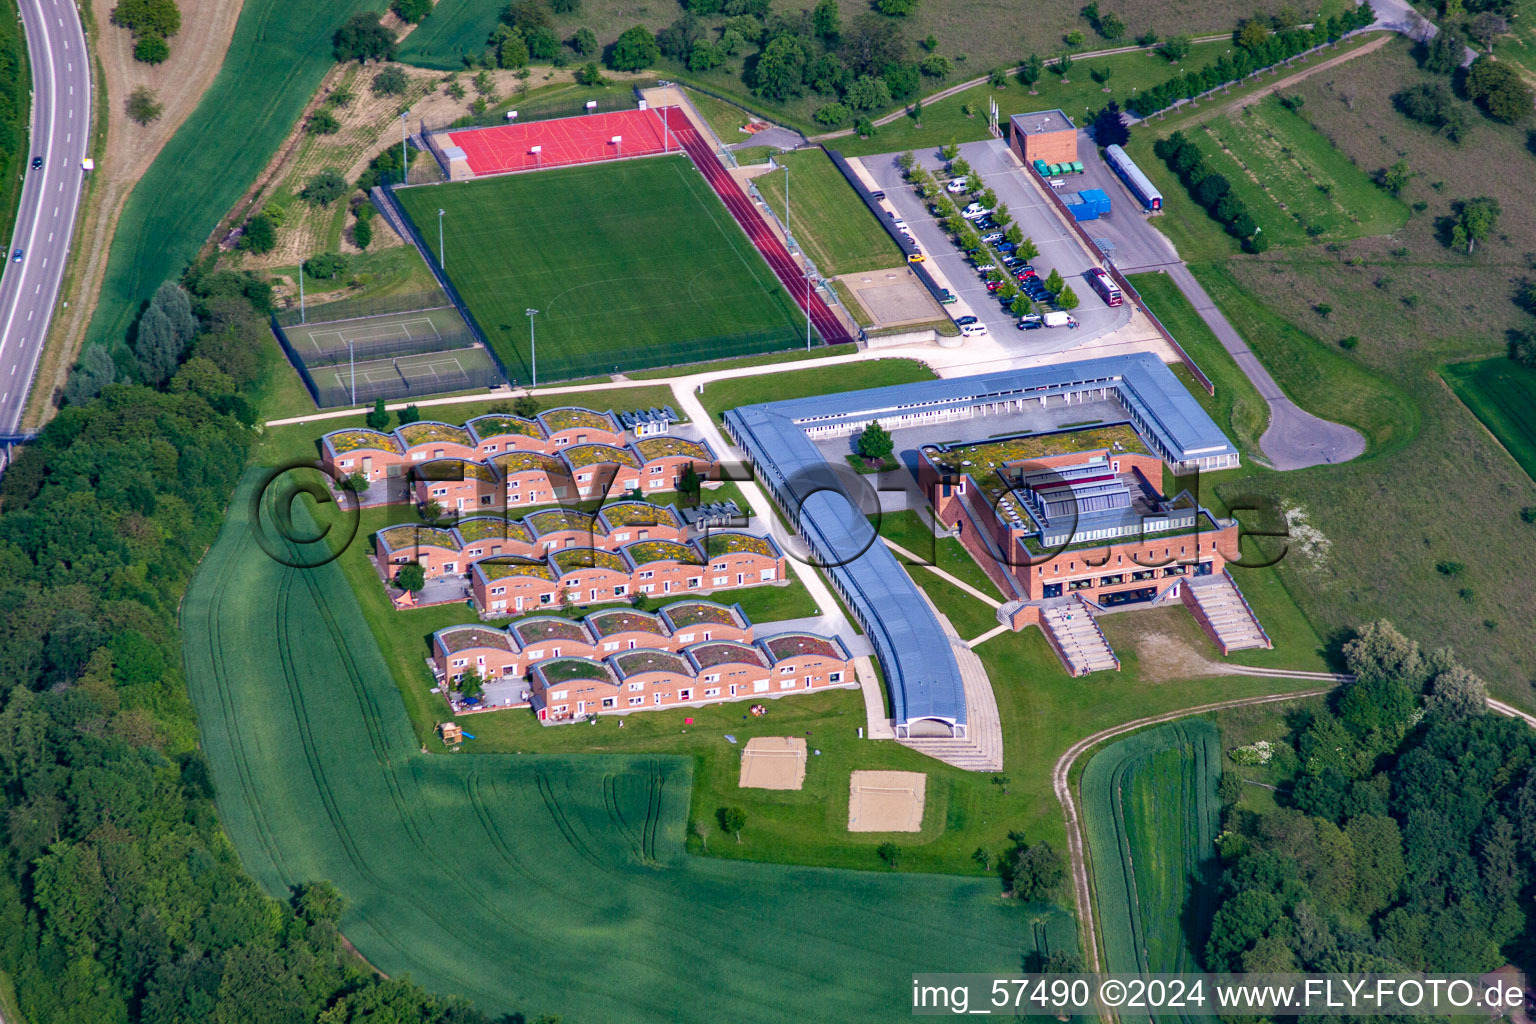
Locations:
(993, 238)
(1030, 325)
(984, 224)
(37, 162)
(947, 297)
(993, 286)
(916, 257)
(974, 211)
(16, 256)
(898, 224)
(1006, 247)
(1012, 262)
(973, 330)
(963, 320)
(1031, 316)
(1028, 268)
(955, 186)
(986, 267)
(877, 196)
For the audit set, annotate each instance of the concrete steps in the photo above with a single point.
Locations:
(1222, 611)
(981, 749)
(1077, 639)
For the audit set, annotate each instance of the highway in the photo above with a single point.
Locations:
(50, 197)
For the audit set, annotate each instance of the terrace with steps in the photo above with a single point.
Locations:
(1077, 638)
(1223, 612)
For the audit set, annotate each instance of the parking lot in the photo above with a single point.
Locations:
(1059, 250)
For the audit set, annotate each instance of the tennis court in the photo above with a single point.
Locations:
(424, 374)
(568, 140)
(328, 342)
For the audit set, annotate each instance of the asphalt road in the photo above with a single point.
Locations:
(61, 129)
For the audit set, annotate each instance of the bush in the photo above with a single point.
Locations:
(896, 8)
(143, 107)
(390, 81)
(325, 267)
(1523, 349)
(146, 17)
(151, 48)
(323, 122)
(362, 39)
(324, 188)
(584, 42)
(260, 235)
(635, 50)
(864, 127)
(411, 11)
(589, 74)
(1432, 104)
(1499, 90)
(362, 232)
(832, 115)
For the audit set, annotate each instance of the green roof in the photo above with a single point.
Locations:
(343, 441)
(494, 570)
(597, 454)
(986, 457)
(494, 528)
(429, 432)
(661, 447)
(791, 644)
(570, 670)
(630, 662)
(566, 418)
(619, 621)
(497, 424)
(396, 537)
(647, 551)
(517, 462)
(569, 560)
(720, 652)
(692, 613)
(443, 470)
(718, 544)
(639, 513)
(554, 520)
(548, 627)
(461, 638)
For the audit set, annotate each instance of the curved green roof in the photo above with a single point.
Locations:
(569, 560)
(662, 447)
(430, 431)
(498, 424)
(343, 441)
(481, 528)
(410, 535)
(717, 544)
(647, 551)
(582, 455)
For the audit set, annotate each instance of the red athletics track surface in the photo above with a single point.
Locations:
(758, 231)
(568, 140)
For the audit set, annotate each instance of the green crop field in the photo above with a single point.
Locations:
(827, 216)
(1502, 394)
(533, 883)
(1151, 815)
(280, 51)
(632, 265)
(1296, 184)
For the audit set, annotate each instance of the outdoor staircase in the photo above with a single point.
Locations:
(1077, 638)
(981, 749)
(1223, 612)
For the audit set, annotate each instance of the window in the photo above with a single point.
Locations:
(648, 574)
(786, 684)
(536, 655)
(460, 662)
(498, 590)
(834, 677)
(685, 638)
(685, 695)
(786, 669)
(656, 698)
(559, 694)
(718, 581)
(612, 645)
(767, 574)
(620, 589)
(621, 536)
(636, 700)
(713, 677)
(713, 691)
(694, 581)
(546, 599)
(609, 702)
(636, 687)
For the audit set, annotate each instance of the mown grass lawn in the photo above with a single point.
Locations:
(1502, 394)
(728, 394)
(826, 216)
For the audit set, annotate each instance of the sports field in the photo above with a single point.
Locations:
(533, 884)
(1151, 815)
(827, 216)
(334, 341)
(428, 373)
(1502, 394)
(631, 265)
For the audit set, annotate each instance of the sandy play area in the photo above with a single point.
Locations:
(773, 762)
(886, 801)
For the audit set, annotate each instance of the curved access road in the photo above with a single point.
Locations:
(50, 195)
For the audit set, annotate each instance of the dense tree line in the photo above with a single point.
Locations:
(1210, 189)
(14, 113)
(1257, 48)
(152, 22)
(1410, 836)
(121, 900)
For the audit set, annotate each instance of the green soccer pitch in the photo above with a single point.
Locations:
(631, 264)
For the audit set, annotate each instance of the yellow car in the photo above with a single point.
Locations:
(916, 257)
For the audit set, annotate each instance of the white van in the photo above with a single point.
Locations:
(973, 330)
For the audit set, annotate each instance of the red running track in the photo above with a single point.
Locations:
(757, 229)
(568, 140)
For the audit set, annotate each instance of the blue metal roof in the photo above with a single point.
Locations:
(919, 665)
